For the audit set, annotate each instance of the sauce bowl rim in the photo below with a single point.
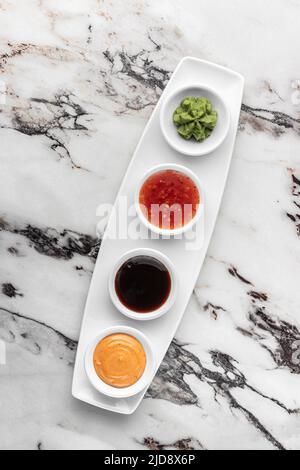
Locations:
(188, 147)
(144, 380)
(172, 295)
(180, 230)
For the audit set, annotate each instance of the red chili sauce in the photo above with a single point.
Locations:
(169, 199)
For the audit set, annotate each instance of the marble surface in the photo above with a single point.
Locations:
(75, 74)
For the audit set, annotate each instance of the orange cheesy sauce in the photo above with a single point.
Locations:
(119, 360)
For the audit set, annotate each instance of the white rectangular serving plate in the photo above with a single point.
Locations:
(213, 171)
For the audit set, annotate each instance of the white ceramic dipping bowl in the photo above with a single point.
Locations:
(108, 390)
(192, 147)
(179, 230)
(170, 300)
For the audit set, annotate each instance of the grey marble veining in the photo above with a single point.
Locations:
(78, 81)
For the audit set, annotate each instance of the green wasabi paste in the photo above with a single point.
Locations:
(195, 118)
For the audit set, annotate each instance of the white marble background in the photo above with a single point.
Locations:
(81, 79)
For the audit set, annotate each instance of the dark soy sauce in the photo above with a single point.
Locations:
(143, 284)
